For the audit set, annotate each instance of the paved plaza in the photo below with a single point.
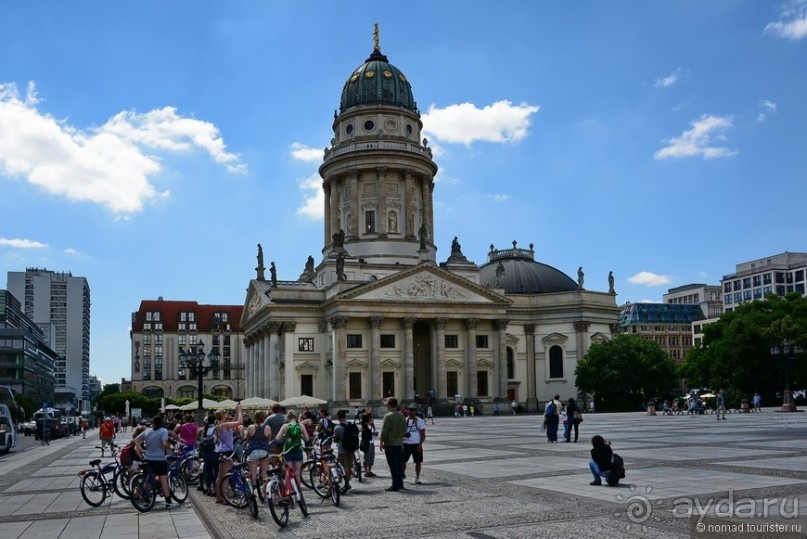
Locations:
(483, 478)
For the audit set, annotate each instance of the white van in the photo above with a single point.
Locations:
(8, 431)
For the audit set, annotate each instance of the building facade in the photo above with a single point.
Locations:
(667, 324)
(161, 330)
(60, 301)
(708, 297)
(378, 316)
(778, 274)
(27, 363)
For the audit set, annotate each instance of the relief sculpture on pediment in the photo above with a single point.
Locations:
(425, 287)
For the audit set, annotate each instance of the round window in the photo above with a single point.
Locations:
(408, 129)
(349, 129)
(369, 125)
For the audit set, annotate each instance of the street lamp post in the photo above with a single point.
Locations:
(195, 362)
(786, 351)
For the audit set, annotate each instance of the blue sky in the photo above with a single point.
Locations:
(149, 146)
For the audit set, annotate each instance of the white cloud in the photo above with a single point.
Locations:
(22, 243)
(792, 22)
(301, 152)
(313, 202)
(699, 140)
(107, 164)
(669, 80)
(647, 278)
(766, 106)
(499, 197)
(465, 123)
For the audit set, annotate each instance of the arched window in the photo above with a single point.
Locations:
(511, 364)
(153, 391)
(186, 392)
(222, 391)
(556, 362)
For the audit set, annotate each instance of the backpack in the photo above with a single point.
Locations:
(617, 470)
(127, 455)
(294, 436)
(208, 443)
(327, 429)
(551, 408)
(350, 437)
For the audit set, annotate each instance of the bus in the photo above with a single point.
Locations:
(8, 411)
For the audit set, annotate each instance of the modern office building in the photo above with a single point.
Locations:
(778, 274)
(708, 297)
(667, 324)
(378, 316)
(63, 301)
(27, 363)
(162, 329)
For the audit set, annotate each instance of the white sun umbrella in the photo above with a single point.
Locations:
(172, 407)
(302, 400)
(207, 404)
(257, 403)
(227, 404)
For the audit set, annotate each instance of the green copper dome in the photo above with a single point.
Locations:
(377, 82)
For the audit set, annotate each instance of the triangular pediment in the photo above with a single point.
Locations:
(425, 283)
(390, 363)
(600, 337)
(355, 362)
(256, 300)
(456, 363)
(555, 338)
(307, 366)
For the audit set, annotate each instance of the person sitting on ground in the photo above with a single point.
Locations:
(601, 459)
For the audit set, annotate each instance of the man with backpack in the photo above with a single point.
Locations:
(346, 435)
(552, 419)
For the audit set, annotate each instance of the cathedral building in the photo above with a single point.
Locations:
(378, 315)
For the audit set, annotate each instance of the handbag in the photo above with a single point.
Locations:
(578, 416)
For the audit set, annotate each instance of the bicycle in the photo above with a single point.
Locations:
(45, 438)
(96, 484)
(144, 488)
(237, 489)
(327, 482)
(283, 492)
(189, 464)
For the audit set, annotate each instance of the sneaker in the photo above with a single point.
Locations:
(392, 489)
(169, 504)
(345, 489)
(417, 482)
(596, 483)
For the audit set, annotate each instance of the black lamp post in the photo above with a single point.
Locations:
(195, 361)
(786, 351)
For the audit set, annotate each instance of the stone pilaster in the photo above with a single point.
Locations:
(339, 327)
(409, 208)
(289, 388)
(326, 224)
(374, 370)
(381, 211)
(442, 384)
(470, 357)
(501, 353)
(532, 397)
(273, 378)
(409, 360)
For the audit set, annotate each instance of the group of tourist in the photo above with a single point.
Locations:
(557, 413)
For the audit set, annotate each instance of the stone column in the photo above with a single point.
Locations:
(355, 227)
(322, 387)
(532, 397)
(381, 210)
(409, 208)
(442, 384)
(264, 363)
(426, 197)
(273, 372)
(374, 371)
(581, 342)
(501, 352)
(409, 360)
(339, 326)
(289, 387)
(333, 187)
(248, 367)
(470, 357)
(326, 188)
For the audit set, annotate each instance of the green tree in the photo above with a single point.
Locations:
(625, 372)
(735, 354)
(115, 403)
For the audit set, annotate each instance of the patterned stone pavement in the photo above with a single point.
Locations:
(483, 477)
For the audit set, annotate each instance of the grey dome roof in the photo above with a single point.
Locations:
(522, 274)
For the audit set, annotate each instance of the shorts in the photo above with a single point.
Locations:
(257, 454)
(348, 460)
(294, 455)
(413, 450)
(106, 441)
(159, 467)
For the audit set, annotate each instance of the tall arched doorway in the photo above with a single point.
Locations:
(422, 340)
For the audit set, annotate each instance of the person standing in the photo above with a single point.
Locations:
(573, 419)
(721, 405)
(294, 437)
(367, 444)
(430, 414)
(258, 437)
(514, 406)
(552, 416)
(345, 435)
(210, 457)
(756, 401)
(153, 443)
(392, 433)
(414, 436)
(225, 430)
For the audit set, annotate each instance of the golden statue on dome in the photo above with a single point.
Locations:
(377, 47)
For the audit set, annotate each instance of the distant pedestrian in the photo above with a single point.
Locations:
(756, 401)
(514, 406)
(367, 446)
(721, 405)
(573, 419)
(472, 410)
(552, 416)
(414, 436)
(430, 414)
(392, 433)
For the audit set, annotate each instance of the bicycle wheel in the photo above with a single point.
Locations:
(121, 483)
(177, 486)
(334, 492)
(298, 495)
(277, 505)
(318, 480)
(357, 467)
(93, 489)
(191, 470)
(142, 495)
(305, 473)
(233, 490)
